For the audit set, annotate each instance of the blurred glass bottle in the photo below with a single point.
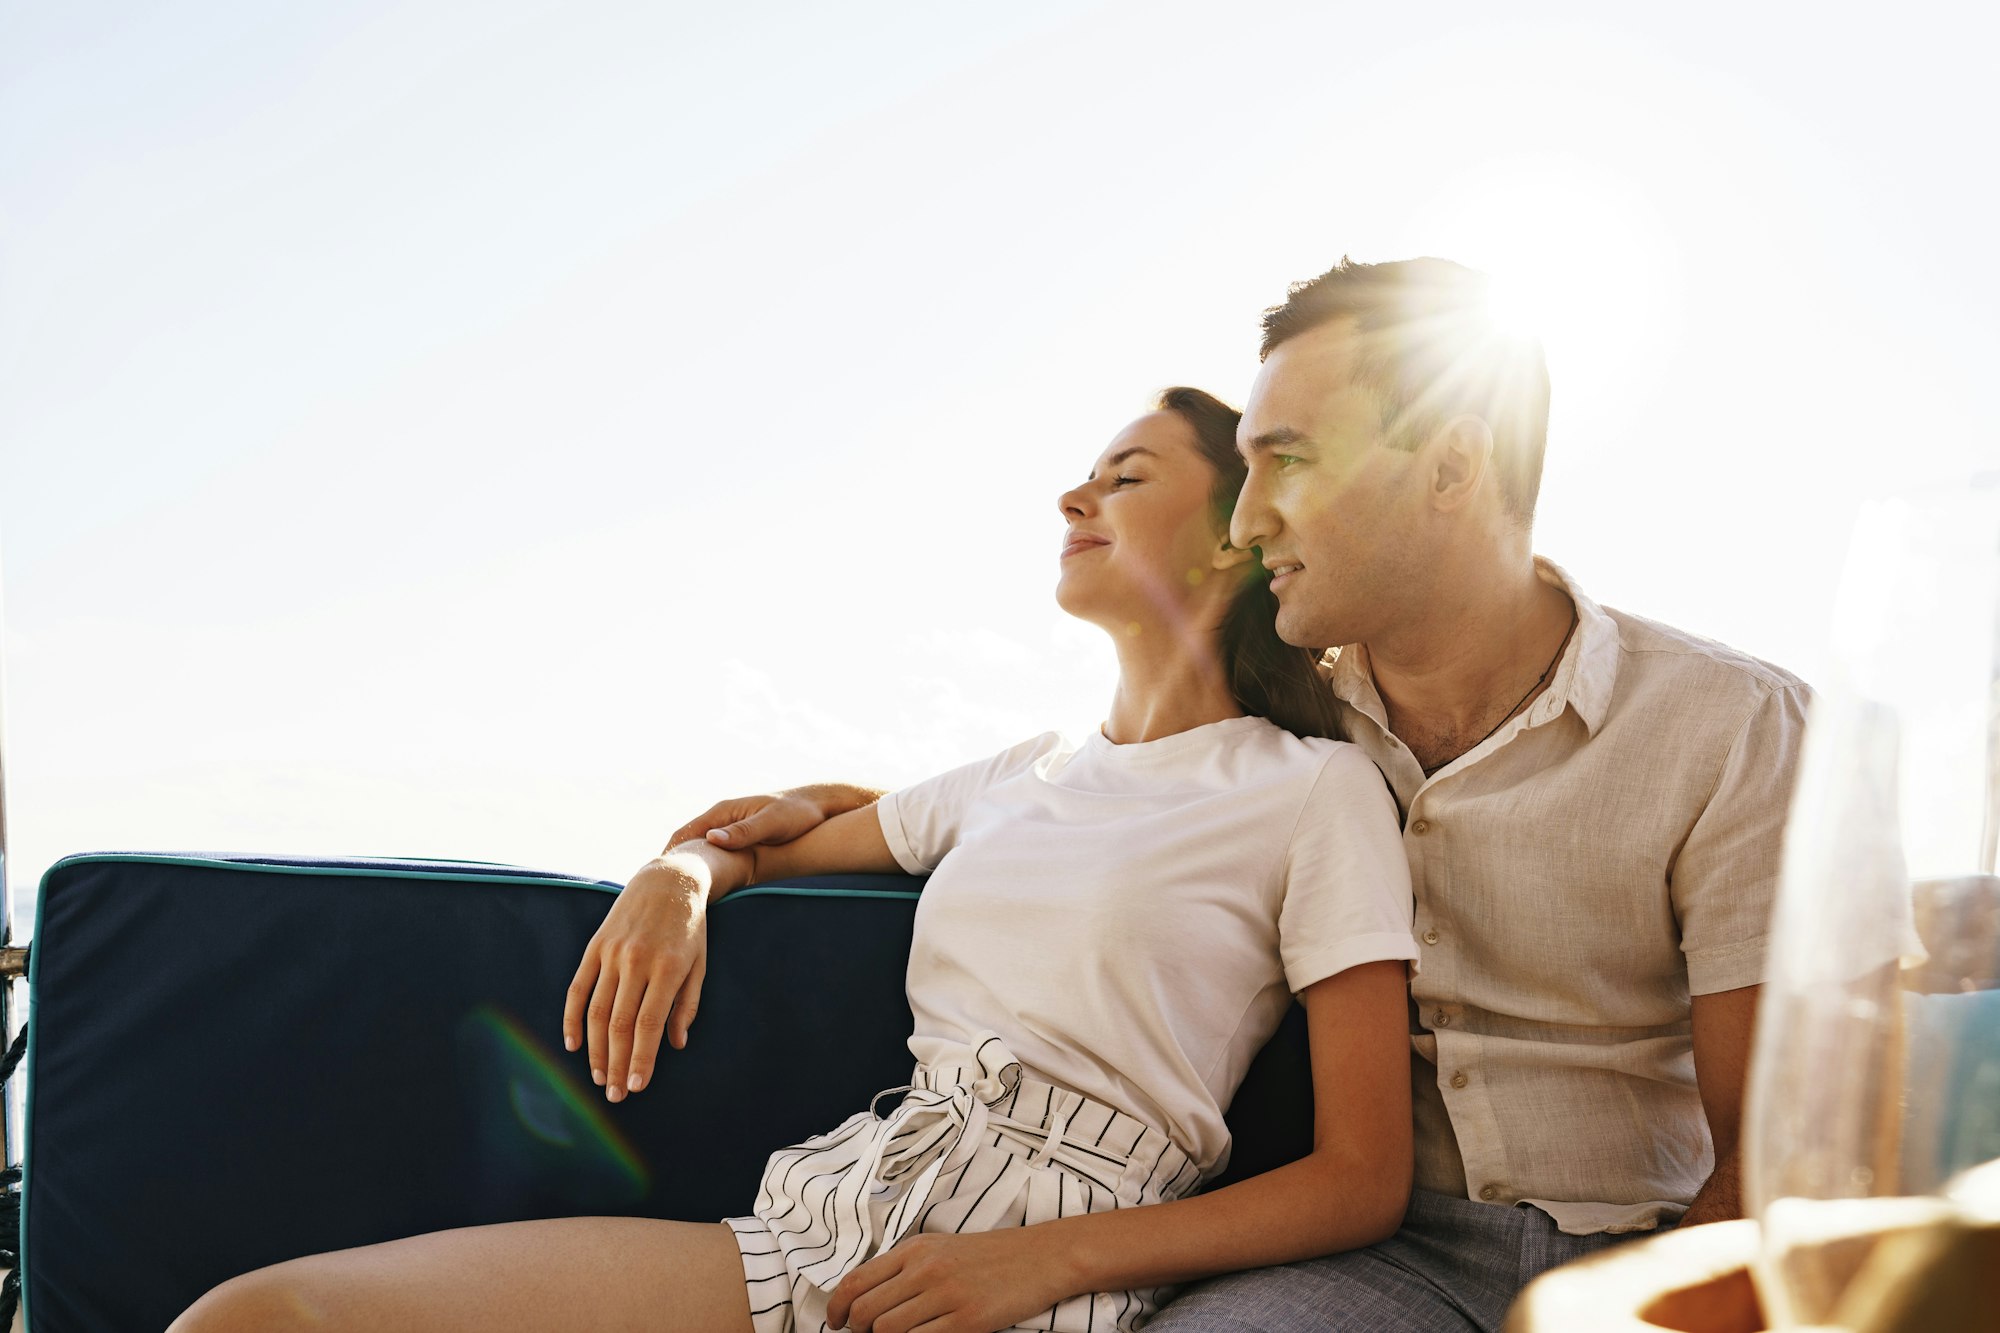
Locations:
(1874, 1096)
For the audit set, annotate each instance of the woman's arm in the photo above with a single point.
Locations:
(1351, 1190)
(641, 975)
(745, 821)
(847, 843)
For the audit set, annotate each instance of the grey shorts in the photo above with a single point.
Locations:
(1454, 1267)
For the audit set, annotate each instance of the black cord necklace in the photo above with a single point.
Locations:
(1517, 707)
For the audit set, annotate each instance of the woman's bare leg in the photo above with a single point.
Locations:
(609, 1273)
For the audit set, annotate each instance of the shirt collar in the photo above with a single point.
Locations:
(1583, 679)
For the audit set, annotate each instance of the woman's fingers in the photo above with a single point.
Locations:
(647, 1028)
(858, 1283)
(597, 1018)
(685, 1005)
(897, 1306)
(577, 999)
(622, 1029)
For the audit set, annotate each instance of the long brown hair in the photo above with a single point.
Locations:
(1268, 677)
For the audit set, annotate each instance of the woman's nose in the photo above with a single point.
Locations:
(1074, 503)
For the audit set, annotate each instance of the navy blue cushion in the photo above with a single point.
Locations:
(235, 1061)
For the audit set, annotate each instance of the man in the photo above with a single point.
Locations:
(1592, 806)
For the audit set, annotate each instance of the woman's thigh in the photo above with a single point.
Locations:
(611, 1273)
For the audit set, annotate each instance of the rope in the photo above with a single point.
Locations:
(10, 1198)
(13, 1057)
(10, 1218)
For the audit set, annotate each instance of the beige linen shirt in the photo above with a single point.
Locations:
(1578, 875)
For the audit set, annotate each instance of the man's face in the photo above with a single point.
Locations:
(1338, 515)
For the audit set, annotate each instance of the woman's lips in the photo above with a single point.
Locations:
(1076, 544)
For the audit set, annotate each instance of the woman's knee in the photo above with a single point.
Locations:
(269, 1299)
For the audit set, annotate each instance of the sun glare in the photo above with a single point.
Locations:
(1579, 259)
(1518, 308)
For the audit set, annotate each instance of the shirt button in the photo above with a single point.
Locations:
(1459, 1079)
(1430, 937)
(1489, 1192)
(1421, 826)
(1440, 1019)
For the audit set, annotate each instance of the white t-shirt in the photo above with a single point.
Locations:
(1134, 919)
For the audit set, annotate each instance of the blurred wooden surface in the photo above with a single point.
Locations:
(1696, 1281)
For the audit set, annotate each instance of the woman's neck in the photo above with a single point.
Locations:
(1166, 687)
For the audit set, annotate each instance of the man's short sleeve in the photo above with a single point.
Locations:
(1347, 880)
(921, 822)
(1725, 880)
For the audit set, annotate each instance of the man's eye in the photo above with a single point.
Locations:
(1286, 460)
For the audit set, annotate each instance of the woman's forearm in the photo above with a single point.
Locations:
(850, 842)
(1351, 1190)
(847, 843)
(1314, 1206)
(837, 798)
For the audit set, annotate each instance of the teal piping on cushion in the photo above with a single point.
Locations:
(794, 891)
(462, 877)
(212, 863)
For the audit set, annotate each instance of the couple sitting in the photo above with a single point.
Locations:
(1522, 898)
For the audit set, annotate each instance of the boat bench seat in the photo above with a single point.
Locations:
(237, 1060)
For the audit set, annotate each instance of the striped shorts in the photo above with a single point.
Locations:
(974, 1146)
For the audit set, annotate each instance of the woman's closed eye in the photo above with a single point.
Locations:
(1122, 480)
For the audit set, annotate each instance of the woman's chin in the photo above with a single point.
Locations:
(1091, 610)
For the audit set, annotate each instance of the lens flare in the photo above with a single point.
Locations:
(537, 1125)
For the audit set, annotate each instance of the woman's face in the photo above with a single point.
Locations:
(1141, 540)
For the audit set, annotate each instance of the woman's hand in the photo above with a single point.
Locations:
(641, 973)
(953, 1284)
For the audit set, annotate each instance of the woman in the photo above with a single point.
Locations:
(1110, 933)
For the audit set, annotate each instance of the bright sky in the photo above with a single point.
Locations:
(498, 429)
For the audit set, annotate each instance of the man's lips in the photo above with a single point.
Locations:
(1282, 572)
(1081, 541)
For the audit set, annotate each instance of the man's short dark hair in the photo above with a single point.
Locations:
(1429, 347)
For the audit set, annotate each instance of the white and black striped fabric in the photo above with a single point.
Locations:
(974, 1146)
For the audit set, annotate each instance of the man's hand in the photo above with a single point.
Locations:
(952, 1284)
(775, 817)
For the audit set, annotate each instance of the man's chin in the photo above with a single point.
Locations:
(1303, 630)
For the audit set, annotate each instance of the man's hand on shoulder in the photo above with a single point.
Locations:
(773, 817)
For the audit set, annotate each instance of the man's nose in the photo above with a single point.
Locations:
(1253, 522)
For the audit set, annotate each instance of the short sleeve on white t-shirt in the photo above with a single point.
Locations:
(921, 822)
(1347, 877)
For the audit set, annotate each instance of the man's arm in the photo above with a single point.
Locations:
(1725, 1024)
(1724, 885)
(1724, 1033)
(774, 817)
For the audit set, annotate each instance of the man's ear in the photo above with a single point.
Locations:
(1457, 458)
(1231, 557)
